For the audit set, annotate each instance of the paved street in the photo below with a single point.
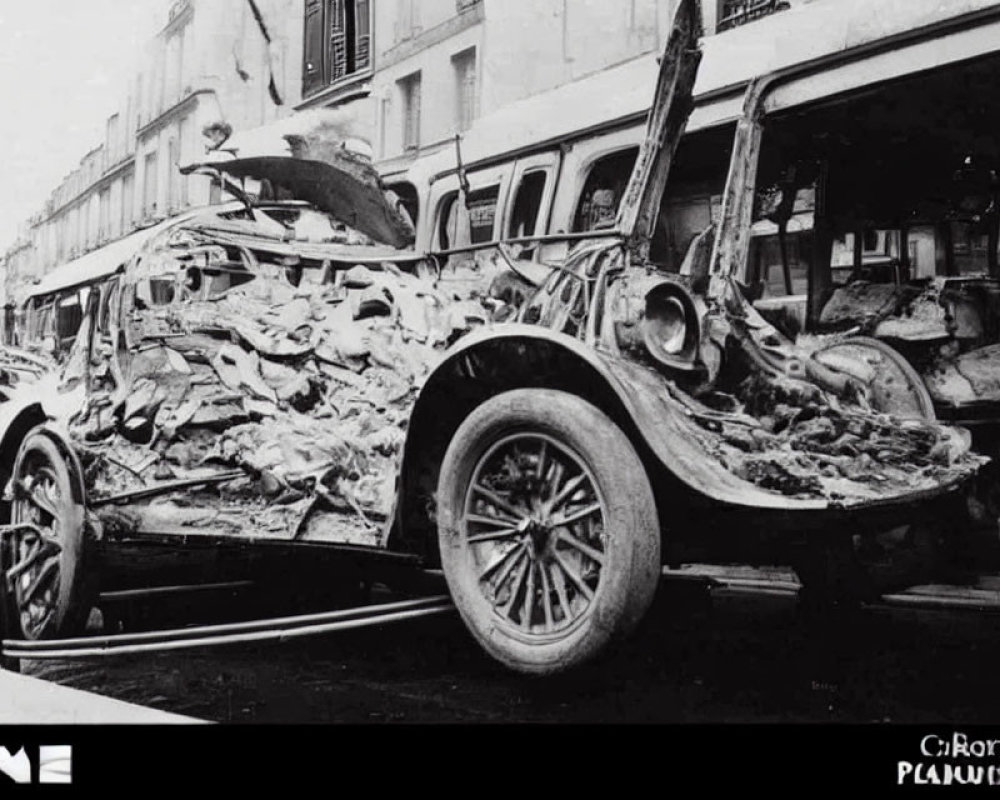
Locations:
(745, 659)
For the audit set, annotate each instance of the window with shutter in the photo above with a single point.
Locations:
(128, 200)
(466, 94)
(312, 73)
(337, 41)
(150, 176)
(362, 16)
(173, 173)
(733, 13)
(104, 216)
(410, 90)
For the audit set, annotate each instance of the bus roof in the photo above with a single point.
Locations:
(802, 35)
(106, 261)
(92, 267)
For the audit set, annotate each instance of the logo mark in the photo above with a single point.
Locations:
(55, 764)
(16, 767)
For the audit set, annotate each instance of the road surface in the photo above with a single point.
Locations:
(737, 658)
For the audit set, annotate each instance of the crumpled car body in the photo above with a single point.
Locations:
(235, 377)
(212, 325)
(754, 439)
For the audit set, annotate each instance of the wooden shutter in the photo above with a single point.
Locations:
(411, 112)
(362, 51)
(312, 68)
(338, 40)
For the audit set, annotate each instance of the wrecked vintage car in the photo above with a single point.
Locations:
(550, 466)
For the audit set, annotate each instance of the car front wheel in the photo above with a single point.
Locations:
(50, 586)
(548, 529)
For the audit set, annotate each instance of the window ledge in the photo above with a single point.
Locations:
(344, 88)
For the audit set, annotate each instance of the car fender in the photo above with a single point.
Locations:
(22, 413)
(637, 398)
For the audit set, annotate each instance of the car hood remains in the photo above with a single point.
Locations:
(333, 179)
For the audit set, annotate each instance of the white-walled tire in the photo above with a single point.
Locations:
(549, 535)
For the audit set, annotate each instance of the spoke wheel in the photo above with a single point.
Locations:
(535, 524)
(46, 575)
(548, 529)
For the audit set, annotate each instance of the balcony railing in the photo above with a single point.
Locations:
(739, 12)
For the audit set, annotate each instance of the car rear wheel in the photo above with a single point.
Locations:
(49, 584)
(549, 534)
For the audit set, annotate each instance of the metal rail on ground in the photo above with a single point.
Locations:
(257, 631)
(282, 629)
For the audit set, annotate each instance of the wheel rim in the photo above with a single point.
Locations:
(535, 526)
(41, 501)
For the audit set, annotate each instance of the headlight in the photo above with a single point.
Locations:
(665, 326)
(671, 327)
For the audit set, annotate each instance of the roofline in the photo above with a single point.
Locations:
(74, 286)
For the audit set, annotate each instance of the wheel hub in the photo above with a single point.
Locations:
(539, 536)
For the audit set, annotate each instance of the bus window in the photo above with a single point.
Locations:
(482, 207)
(603, 190)
(782, 269)
(448, 221)
(69, 316)
(684, 215)
(41, 319)
(970, 241)
(161, 291)
(473, 222)
(881, 257)
(769, 265)
(108, 294)
(527, 204)
(692, 202)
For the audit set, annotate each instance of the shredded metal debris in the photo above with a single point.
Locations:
(265, 402)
